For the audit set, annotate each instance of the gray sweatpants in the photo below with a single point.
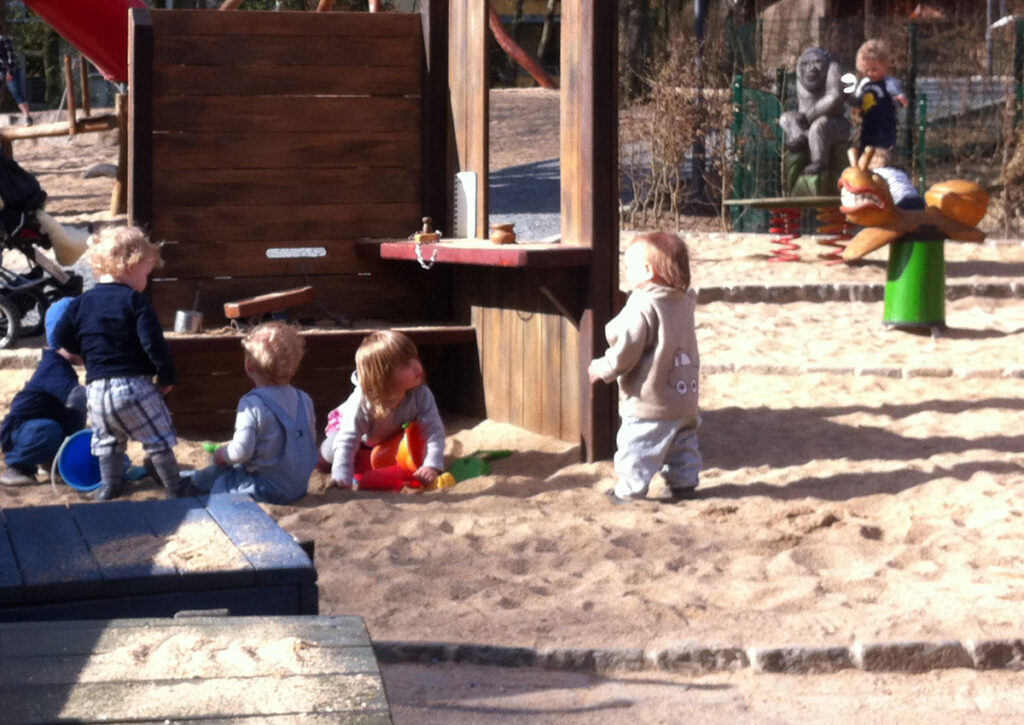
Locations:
(645, 447)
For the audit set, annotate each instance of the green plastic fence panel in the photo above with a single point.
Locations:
(758, 143)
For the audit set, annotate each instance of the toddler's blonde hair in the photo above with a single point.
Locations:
(115, 250)
(880, 158)
(378, 356)
(274, 350)
(873, 49)
(668, 256)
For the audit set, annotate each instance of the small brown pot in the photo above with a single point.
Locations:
(503, 233)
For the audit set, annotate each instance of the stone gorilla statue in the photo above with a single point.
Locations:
(819, 124)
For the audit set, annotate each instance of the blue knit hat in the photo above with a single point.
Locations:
(53, 315)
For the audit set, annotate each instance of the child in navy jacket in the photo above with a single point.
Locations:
(49, 408)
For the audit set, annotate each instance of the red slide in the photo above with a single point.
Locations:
(98, 28)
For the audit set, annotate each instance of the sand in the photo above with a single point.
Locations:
(859, 485)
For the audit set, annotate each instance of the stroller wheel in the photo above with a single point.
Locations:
(10, 328)
(31, 306)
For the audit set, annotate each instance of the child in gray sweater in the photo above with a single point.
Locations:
(653, 355)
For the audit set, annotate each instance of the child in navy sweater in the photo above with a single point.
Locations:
(49, 408)
(128, 367)
(875, 96)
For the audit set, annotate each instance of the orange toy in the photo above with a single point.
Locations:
(393, 462)
(405, 450)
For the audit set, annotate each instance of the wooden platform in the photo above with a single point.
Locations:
(209, 669)
(150, 559)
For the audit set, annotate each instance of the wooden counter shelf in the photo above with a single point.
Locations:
(480, 252)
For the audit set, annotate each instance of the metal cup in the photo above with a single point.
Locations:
(188, 321)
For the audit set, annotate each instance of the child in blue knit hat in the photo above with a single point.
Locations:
(49, 408)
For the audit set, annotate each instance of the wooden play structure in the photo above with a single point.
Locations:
(277, 150)
(99, 29)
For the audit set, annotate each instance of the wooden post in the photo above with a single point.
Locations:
(590, 208)
(435, 187)
(69, 85)
(83, 74)
(119, 197)
(468, 71)
(140, 114)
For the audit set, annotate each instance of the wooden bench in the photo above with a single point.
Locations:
(150, 559)
(283, 669)
(269, 303)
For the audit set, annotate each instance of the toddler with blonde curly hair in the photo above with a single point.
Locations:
(273, 451)
(128, 367)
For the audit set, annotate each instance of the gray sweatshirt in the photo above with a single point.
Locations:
(358, 426)
(653, 354)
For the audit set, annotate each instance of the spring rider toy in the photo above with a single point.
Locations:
(914, 229)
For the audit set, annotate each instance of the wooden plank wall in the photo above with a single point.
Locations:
(276, 130)
(528, 347)
(211, 378)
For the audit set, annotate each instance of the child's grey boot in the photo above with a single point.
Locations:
(112, 477)
(163, 467)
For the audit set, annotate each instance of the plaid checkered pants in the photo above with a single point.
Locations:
(128, 408)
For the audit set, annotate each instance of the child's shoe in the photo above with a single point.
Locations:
(108, 490)
(616, 499)
(185, 488)
(688, 493)
(182, 488)
(15, 476)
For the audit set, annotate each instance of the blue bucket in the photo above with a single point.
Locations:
(76, 464)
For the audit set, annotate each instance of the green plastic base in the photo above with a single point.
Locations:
(915, 287)
(807, 185)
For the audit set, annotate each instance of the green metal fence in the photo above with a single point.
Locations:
(965, 86)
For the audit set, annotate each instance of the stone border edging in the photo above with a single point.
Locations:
(20, 359)
(902, 657)
(884, 371)
(845, 292)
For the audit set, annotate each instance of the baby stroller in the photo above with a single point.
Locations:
(26, 228)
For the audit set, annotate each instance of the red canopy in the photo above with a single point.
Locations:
(97, 28)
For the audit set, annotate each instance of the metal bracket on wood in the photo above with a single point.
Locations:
(560, 306)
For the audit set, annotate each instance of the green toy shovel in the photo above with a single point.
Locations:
(475, 464)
